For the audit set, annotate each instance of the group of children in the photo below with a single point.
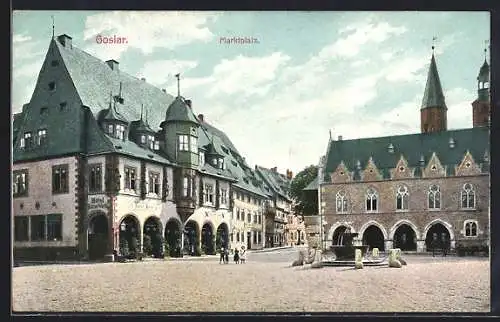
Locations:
(240, 256)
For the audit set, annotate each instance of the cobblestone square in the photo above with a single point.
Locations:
(266, 283)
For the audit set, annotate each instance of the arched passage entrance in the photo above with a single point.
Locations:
(437, 237)
(374, 237)
(173, 237)
(129, 236)
(337, 236)
(405, 238)
(191, 237)
(222, 236)
(98, 236)
(152, 238)
(207, 239)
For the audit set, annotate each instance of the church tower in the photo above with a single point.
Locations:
(433, 110)
(481, 106)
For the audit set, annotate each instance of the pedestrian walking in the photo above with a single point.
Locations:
(236, 256)
(222, 259)
(226, 255)
(243, 255)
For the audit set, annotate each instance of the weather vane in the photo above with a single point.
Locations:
(178, 76)
(486, 43)
(434, 43)
(52, 16)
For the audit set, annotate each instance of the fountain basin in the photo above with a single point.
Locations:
(346, 252)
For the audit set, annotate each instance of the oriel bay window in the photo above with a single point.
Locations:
(193, 144)
(20, 183)
(154, 183)
(185, 187)
(95, 178)
(60, 179)
(21, 226)
(130, 178)
(183, 143)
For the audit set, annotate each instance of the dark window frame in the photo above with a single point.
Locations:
(95, 177)
(154, 182)
(21, 232)
(130, 182)
(54, 228)
(16, 177)
(60, 179)
(37, 222)
(52, 86)
(41, 137)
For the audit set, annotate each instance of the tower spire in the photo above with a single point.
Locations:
(178, 76)
(142, 109)
(486, 42)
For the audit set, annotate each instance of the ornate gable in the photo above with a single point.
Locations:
(341, 174)
(401, 170)
(468, 166)
(371, 172)
(434, 168)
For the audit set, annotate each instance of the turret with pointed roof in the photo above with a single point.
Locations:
(481, 106)
(433, 111)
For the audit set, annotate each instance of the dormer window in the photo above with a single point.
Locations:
(214, 161)
(111, 129)
(26, 141)
(151, 142)
(120, 131)
(52, 86)
(220, 163)
(143, 139)
(202, 158)
(41, 137)
(390, 148)
(156, 145)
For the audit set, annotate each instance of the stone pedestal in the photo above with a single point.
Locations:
(375, 253)
(358, 259)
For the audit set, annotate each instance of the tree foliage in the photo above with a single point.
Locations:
(306, 201)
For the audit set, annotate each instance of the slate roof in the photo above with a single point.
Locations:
(94, 80)
(484, 72)
(433, 94)
(313, 185)
(179, 110)
(411, 146)
(278, 182)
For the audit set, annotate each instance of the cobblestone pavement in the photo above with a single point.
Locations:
(266, 283)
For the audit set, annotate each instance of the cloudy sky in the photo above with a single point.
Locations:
(356, 74)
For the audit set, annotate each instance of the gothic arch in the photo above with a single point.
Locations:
(393, 229)
(448, 226)
(338, 224)
(373, 223)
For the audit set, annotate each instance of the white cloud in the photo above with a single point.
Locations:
(18, 38)
(168, 67)
(246, 75)
(147, 30)
(364, 33)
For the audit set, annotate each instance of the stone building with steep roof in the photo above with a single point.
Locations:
(412, 191)
(278, 207)
(102, 159)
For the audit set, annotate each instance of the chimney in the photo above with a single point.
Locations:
(289, 174)
(65, 40)
(339, 138)
(275, 169)
(163, 90)
(201, 118)
(143, 79)
(188, 103)
(113, 64)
